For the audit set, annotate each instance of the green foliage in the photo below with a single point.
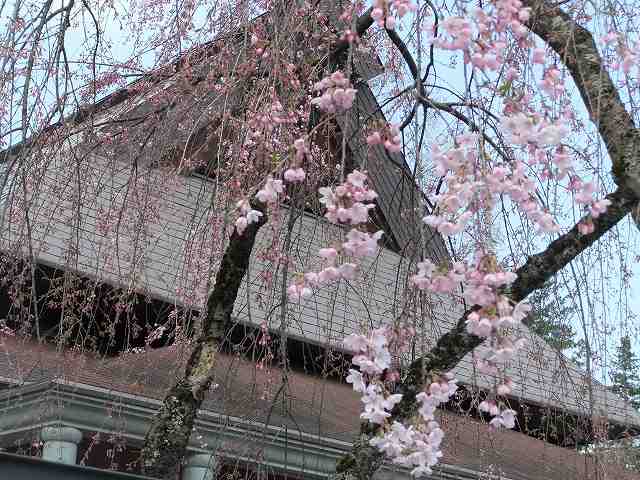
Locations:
(625, 373)
(551, 315)
(579, 354)
(625, 378)
(624, 452)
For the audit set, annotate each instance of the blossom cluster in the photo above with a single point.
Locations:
(270, 191)
(416, 446)
(372, 355)
(389, 137)
(382, 11)
(501, 417)
(264, 123)
(627, 57)
(345, 205)
(295, 173)
(584, 192)
(481, 36)
(247, 216)
(337, 93)
(523, 129)
(473, 183)
(495, 318)
(472, 186)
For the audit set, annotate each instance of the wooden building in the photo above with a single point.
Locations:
(149, 264)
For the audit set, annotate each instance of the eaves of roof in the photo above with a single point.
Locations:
(84, 406)
(322, 417)
(20, 467)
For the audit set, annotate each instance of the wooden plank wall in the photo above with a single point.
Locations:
(164, 252)
(168, 262)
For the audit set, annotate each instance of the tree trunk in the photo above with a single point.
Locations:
(166, 441)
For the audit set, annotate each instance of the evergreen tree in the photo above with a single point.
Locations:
(551, 315)
(579, 354)
(625, 373)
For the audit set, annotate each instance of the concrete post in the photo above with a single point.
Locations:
(60, 444)
(201, 466)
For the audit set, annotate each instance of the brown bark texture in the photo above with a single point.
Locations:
(167, 439)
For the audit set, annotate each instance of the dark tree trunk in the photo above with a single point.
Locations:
(168, 437)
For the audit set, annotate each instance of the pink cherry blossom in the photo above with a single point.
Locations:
(506, 418)
(356, 343)
(247, 216)
(345, 204)
(301, 149)
(361, 244)
(328, 274)
(586, 227)
(294, 175)
(338, 94)
(539, 55)
(298, 291)
(505, 388)
(389, 137)
(599, 207)
(348, 271)
(269, 193)
(382, 11)
(356, 379)
(329, 254)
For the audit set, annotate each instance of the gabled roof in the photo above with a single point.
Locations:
(538, 379)
(400, 199)
(316, 411)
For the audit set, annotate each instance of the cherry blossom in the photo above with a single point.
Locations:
(356, 379)
(506, 418)
(361, 244)
(301, 149)
(338, 94)
(389, 137)
(494, 319)
(377, 407)
(294, 175)
(416, 446)
(247, 216)
(298, 291)
(269, 193)
(382, 11)
(345, 204)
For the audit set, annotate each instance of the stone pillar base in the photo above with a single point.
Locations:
(60, 444)
(200, 466)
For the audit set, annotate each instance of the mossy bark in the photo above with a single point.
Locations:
(168, 436)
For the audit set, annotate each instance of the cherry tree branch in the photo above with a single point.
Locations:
(453, 346)
(168, 436)
(426, 102)
(363, 23)
(576, 47)
(166, 441)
